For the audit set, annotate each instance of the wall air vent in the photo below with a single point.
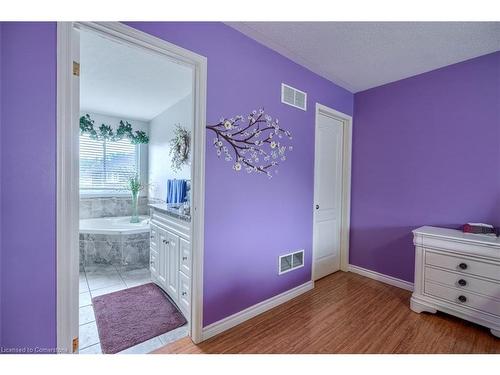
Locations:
(290, 261)
(293, 97)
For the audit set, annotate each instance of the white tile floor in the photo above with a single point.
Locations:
(103, 279)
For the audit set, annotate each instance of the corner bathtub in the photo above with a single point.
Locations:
(114, 225)
(114, 240)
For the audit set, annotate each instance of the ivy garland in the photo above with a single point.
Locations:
(105, 132)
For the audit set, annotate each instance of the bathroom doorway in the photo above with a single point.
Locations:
(134, 118)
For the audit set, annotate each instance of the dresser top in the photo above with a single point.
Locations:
(458, 235)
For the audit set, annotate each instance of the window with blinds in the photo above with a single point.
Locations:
(106, 165)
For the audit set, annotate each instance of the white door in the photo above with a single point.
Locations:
(327, 195)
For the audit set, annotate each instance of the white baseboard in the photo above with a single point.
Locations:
(381, 277)
(252, 311)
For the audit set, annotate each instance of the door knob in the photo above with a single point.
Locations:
(317, 206)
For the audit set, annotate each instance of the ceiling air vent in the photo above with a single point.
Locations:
(293, 97)
(291, 261)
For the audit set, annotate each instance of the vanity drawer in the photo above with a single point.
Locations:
(464, 282)
(463, 298)
(153, 237)
(463, 265)
(185, 257)
(185, 294)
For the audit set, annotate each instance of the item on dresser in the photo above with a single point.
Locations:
(458, 274)
(478, 228)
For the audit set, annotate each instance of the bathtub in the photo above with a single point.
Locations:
(114, 240)
(114, 225)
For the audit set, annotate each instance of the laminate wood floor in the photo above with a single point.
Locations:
(347, 313)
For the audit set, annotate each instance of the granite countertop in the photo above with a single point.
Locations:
(169, 210)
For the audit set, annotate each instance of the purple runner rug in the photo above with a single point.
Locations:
(131, 316)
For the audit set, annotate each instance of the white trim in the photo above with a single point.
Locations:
(67, 169)
(67, 192)
(346, 182)
(394, 281)
(252, 311)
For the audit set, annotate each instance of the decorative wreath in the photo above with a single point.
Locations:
(106, 132)
(180, 147)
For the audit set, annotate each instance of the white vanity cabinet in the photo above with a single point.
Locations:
(459, 274)
(170, 257)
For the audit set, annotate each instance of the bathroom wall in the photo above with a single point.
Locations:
(94, 205)
(161, 132)
(110, 206)
(426, 151)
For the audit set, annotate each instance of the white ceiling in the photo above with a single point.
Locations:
(362, 55)
(124, 81)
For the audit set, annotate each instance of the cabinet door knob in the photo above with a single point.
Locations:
(184, 258)
(462, 282)
(184, 293)
(462, 298)
(463, 266)
(317, 206)
(166, 242)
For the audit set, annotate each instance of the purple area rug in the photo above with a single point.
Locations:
(131, 316)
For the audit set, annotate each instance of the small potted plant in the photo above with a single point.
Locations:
(135, 187)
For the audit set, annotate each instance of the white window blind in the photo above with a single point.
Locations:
(106, 165)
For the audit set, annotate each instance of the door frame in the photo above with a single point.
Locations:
(68, 170)
(345, 215)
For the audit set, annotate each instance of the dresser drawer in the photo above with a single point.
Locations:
(463, 298)
(463, 265)
(464, 282)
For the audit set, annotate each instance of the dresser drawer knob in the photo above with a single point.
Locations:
(462, 282)
(462, 298)
(462, 266)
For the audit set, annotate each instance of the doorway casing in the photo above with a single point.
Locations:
(345, 215)
(68, 168)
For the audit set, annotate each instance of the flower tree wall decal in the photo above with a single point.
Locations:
(255, 143)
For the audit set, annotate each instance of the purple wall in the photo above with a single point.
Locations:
(28, 184)
(250, 220)
(425, 152)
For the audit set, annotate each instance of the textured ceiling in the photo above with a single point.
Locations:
(362, 55)
(125, 81)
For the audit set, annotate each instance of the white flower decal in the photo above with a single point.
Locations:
(249, 139)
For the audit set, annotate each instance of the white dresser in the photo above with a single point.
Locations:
(459, 274)
(170, 256)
